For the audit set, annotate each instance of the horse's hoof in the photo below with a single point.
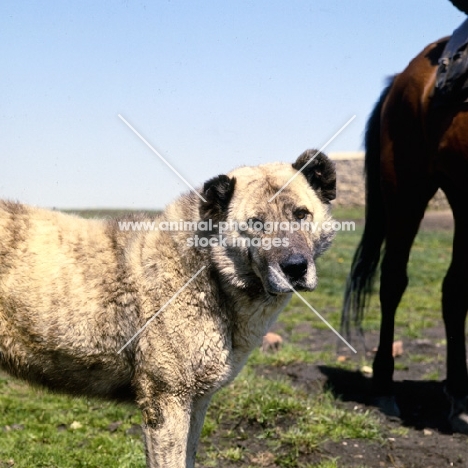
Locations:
(388, 406)
(459, 423)
(458, 417)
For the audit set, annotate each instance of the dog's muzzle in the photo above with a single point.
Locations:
(294, 272)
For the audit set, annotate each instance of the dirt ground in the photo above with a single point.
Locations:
(437, 220)
(433, 220)
(428, 442)
(421, 438)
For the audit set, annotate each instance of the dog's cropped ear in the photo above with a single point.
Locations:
(320, 172)
(217, 192)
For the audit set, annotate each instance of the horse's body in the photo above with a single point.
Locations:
(413, 147)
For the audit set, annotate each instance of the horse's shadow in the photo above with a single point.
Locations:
(422, 404)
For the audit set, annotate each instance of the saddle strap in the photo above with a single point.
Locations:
(452, 73)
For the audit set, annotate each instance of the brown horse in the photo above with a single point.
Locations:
(413, 147)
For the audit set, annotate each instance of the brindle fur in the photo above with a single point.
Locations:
(74, 291)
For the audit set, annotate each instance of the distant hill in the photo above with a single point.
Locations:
(108, 213)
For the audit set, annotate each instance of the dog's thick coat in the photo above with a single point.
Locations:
(73, 292)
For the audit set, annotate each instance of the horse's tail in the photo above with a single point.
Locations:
(366, 258)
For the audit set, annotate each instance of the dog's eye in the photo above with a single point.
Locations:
(256, 224)
(301, 214)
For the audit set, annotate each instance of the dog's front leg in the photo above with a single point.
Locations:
(165, 428)
(197, 418)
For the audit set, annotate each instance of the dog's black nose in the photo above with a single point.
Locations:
(294, 267)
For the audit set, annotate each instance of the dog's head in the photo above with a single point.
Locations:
(270, 222)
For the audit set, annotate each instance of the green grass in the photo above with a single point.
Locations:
(283, 420)
(46, 437)
(286, 418)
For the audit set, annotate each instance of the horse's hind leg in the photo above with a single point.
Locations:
(454, 307)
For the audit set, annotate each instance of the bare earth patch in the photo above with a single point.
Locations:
(433, 221)
(420, 439)
(437, 220)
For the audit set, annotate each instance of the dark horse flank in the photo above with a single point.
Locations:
(413, 147)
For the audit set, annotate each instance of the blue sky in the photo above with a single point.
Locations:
(211, 84)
